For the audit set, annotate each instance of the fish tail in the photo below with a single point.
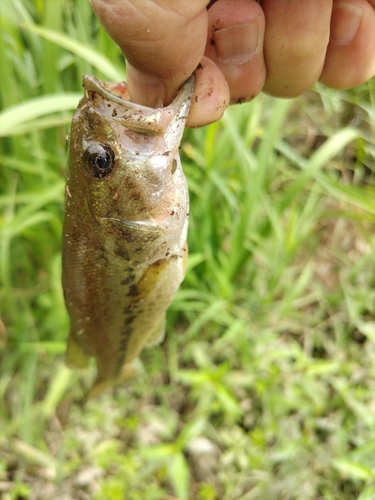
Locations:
(99, 386)
(129, 371)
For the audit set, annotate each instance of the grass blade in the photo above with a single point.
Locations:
(19, 114)
(96, 59)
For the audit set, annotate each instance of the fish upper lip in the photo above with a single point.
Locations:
(91, 83)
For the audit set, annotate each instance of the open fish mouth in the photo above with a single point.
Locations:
(115, 92)
(148, 121)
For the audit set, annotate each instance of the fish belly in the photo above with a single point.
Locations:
(123, 312)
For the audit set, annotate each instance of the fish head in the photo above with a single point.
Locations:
(125, 171)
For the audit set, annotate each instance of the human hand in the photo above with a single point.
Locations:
(239, 48)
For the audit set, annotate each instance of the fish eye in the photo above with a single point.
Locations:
(100, 160)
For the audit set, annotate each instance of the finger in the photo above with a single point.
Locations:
(295, 43)
(350, 58)
(160, 41)
(211, 96)
(235, 45)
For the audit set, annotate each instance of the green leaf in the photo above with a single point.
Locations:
(98, 60)
(190, 431)
(22, 225)
(353, 469)
(159, 452)
(56, 390)
(178, 473)
(11, 118)
(42, 347)
(34, 455)
(368, 493)
(318, 160)
(367, 328)
(323, 367)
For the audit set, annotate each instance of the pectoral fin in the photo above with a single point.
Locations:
(150, 278)
(157, 334)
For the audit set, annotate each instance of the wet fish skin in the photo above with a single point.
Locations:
(125, 226)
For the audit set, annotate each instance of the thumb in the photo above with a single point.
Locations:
(163, 42)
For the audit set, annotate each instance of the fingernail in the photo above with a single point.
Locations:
(236, 44)
(346, 19)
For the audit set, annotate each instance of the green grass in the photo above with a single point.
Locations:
(264, 388)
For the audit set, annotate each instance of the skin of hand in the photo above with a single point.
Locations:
(239, 48)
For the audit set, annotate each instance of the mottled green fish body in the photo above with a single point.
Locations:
(125, 226)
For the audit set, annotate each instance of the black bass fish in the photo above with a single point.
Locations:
(125, 226)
